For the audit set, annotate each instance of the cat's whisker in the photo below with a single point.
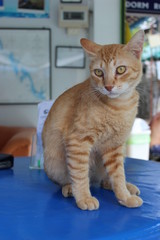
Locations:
(94, 93)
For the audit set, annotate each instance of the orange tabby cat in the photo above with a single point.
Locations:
(85, 132)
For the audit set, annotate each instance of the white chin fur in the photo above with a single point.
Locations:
(113, 95)
(109, 94)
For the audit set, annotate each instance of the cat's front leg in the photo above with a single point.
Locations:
(113, 162)
(77, 152)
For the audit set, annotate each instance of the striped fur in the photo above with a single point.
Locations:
(86, 129)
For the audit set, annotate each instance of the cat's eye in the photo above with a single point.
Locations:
(98, 72)
(120, 69)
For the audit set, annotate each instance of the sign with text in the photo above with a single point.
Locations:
(146, 6)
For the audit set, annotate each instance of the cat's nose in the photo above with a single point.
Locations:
(109, 88)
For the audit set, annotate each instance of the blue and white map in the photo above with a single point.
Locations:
(24, 66)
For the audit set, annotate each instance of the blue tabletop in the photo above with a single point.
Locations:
(32, 207)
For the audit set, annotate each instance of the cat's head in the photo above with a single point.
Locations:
(115, 69)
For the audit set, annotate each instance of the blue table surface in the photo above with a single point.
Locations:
(32, 207)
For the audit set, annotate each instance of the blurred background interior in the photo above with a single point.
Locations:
(41, 57)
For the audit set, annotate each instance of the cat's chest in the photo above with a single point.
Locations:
(113, 125)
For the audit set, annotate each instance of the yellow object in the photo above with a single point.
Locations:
(128, 34)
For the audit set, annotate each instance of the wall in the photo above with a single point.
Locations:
(106, 21)
(62, 79)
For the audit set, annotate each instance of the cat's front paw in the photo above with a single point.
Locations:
(88, 203)
(132, 202)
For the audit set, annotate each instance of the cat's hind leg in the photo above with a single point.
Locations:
(105, 183)
(55, 158)
(67, 190)
(131, 187)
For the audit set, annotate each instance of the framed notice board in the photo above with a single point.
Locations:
(25, 65)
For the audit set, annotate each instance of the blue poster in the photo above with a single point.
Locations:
(1, 3)
(140, 6)
(24, 8)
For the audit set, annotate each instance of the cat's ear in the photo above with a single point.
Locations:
(135, 45)
(90, 47)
